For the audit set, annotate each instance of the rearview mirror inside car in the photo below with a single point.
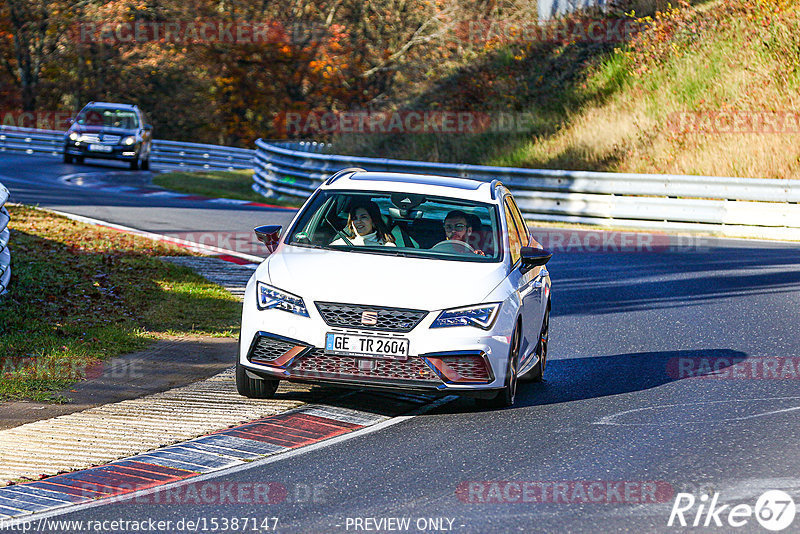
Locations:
(269, 235)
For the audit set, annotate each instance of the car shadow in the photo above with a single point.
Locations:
(574, 379)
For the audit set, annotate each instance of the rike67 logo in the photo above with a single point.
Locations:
(774, 510)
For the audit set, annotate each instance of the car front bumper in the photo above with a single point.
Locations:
(117, 152)
(460, 360)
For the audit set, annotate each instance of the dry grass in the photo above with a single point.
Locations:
(615, 108)
(81, 294)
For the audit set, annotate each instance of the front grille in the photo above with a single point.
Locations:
(267, 349)
(318, 364)
(470, 368)
(98, 138)
(389, 319)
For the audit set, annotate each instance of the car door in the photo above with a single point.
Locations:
(528, 284)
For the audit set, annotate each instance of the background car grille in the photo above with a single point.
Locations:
(389, 319)
(268, 349)
(317, 363)
(97, 138)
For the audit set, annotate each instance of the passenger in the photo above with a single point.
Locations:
(458, 226)
(365, 226)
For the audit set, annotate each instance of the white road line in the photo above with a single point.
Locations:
(609, 419)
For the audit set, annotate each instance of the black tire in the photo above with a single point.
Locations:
(145, 164)
(135, 163)
(506, 396)
(254, 388)
(79, 159)
(537, 373)
(67, 158)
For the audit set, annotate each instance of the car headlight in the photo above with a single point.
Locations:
(129, 141)
(74, 136)
(270, 297)
(482, 316)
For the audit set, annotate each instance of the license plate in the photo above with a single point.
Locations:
(100, 148)
(393, 348)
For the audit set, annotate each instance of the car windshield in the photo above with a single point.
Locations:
(410, 225)
(113, 118)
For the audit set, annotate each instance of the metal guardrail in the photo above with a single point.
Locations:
(174, 153)
(5, 253)
(764, 208)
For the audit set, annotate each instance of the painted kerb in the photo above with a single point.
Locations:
(173, 153)
(750, 207)
(5, 253)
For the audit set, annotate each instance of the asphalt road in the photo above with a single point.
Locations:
(617, 429)
(35, 180)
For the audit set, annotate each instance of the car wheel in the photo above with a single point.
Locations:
(79, 159)
(254, 388)
(146, 164)
(506, 396)
(67, 158)
(135, 163)
(537, 373)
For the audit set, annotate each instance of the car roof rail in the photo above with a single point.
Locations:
(495, 184)
(338, 174)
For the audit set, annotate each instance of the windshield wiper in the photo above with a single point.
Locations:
(389, 251)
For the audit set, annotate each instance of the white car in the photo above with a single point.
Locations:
(399, 281)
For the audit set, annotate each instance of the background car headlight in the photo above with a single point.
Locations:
(129, 141)
(482, 316)
(74, 136)
(270, 297)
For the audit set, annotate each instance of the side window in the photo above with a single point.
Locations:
(524, 232)
(514, 241)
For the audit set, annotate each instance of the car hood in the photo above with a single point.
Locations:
(104, 129)
(362, 278)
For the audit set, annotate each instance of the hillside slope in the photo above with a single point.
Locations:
(707, 89)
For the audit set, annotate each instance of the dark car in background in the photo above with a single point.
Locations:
(104, 130)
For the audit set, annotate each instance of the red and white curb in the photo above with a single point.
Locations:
(268, 439)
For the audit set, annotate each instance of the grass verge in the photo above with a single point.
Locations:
(219, 184)
(81, 294)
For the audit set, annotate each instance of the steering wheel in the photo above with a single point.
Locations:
(453, 245)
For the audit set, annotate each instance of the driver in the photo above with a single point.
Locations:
(458, 227)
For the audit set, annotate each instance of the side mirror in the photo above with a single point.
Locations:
(269, 235)
(534, 257)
